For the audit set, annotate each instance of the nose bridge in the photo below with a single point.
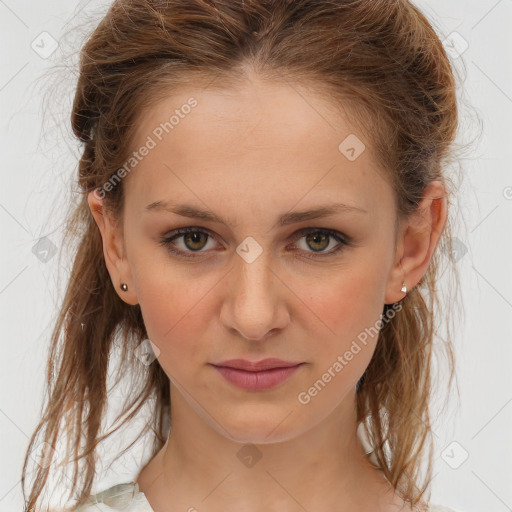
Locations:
(253, 304)
(254, 277)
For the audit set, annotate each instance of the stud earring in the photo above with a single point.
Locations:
(124, 287)
(404, 288)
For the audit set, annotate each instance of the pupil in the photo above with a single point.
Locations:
(195, 238)
(317, 237)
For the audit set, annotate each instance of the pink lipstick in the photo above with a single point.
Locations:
(257, 376)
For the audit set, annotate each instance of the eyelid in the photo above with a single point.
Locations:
(343, 240)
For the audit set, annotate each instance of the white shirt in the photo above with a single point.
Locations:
(126, 497)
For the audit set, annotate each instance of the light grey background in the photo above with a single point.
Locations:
(39, 159)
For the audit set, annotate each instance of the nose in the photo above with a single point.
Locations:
(254, 303)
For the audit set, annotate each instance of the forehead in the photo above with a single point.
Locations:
(266, 140)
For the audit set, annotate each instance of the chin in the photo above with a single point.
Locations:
(258, 435)
(262, 427)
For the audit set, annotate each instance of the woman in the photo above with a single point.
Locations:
(264, 197)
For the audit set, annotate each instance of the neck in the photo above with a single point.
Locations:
(202, 467)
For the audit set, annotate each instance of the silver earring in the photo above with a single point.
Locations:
(124, 287)
(404, 288)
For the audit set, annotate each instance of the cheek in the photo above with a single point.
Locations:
(174, 306)
(348, 301)
(335, 308)
(346, 319)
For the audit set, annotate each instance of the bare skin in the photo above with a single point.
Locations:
(250, 155)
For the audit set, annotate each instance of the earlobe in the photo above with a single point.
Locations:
(418, 241)
(113, 252)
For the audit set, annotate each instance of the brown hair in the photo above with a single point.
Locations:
(384, 62)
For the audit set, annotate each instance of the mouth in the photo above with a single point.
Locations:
(259, 376)
(256, 366)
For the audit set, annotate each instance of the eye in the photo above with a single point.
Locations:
(195, 239)
(320, 239)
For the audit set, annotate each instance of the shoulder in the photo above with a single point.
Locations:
(440, 508)
(126, 497)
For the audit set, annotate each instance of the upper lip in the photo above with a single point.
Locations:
(264, 364)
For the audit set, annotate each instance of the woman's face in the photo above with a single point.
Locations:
(252, 287)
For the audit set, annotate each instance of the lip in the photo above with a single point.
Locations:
(257, 376)
(255, 366)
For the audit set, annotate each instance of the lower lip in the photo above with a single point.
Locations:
(257, 381)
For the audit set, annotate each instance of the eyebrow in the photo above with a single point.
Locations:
(285, 219)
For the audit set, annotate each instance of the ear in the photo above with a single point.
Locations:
(417, 241)
(113, 248)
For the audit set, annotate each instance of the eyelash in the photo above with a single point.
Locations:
(343, 240)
